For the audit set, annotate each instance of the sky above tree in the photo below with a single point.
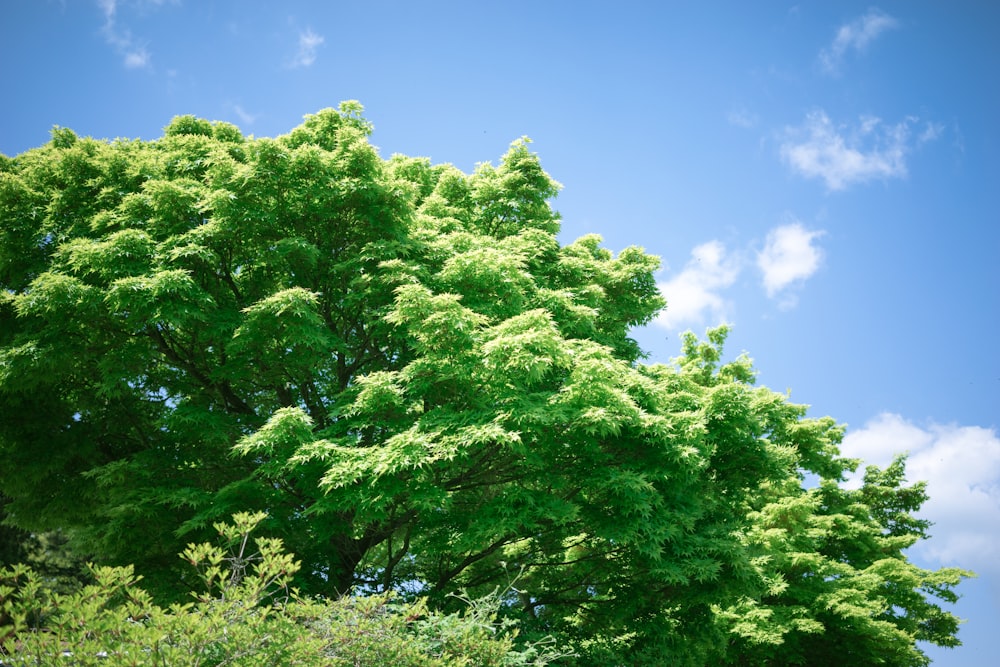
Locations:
(820, 175)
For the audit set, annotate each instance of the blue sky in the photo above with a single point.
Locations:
(823, 176)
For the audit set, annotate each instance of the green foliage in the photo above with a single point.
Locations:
(421, 389)
(49, 554)
(12, 539)
(842, 592)
(243, 614)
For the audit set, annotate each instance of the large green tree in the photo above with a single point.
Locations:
(425, 392)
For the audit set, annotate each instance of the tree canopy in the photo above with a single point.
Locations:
(424, 392)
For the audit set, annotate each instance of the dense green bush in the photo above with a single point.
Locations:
(243, 613)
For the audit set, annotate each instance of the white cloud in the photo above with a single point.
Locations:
(931, 132)
(842, 155)
(137, 58)
(788, 258)
(309, 43)
(855, 36)
(245, 117)
(961, 465)
(134, 54)
(693, 295)
(742, 118)
(108, 7)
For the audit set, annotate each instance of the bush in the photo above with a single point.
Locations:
(244, 614)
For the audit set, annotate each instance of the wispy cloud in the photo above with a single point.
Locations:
(855, 36)
(693, 296)
(788, 259)
(309, 43)
(741, 117)
(134, 54)
(137, 58)
(245, 117)
(842, 155)
(961, 465)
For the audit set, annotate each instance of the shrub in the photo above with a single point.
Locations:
(243, 613)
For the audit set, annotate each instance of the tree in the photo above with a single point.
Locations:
(406, 371)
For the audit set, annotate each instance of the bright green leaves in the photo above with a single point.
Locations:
(839, 577)
(524, 348)
(514, 195)
(630, 285)
(251, 572)
(324, 128)
(244, 613)
(128, 252)
(891, 503)
(491, 281)
(62, 137)
(449, 207)
(620, 290)
(173, 206)
(415, 174)
(23, 241)
(171, 295)
(439, 323)
(381, 396)
(594, 394)
(165, 296)
(23, 368)
(188, 125)
(401, 453)
(285, 432)
(55, 294)
(285, 329)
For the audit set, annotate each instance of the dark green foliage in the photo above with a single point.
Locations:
(12, 539)
(49, 554)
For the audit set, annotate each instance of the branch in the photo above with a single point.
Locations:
(473, 558)
(393, 561)
(224, 390)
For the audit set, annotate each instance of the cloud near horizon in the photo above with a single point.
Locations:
(843, 155)
(961, 465)
(855, 36)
